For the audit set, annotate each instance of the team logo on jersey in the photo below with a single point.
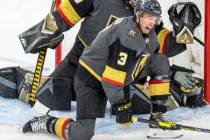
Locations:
(112, 18)
(49, 26)
(131, 33)
(78, 1)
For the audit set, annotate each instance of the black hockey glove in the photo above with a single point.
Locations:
(45, 34)
(183, 78)
(187, 83)
(123, 112)
(187, 89)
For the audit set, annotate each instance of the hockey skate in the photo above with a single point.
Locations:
(159, 117)
(163, 132)
(37, 124)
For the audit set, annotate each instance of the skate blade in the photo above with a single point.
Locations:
(164, 134)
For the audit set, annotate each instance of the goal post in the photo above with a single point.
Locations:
(207, 52)
(58, 51)
(58, 55)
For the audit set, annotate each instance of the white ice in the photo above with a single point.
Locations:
(14, 114)
(18, 15)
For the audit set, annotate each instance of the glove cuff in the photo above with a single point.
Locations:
(124, 118)
(121, 107)
(123, 112)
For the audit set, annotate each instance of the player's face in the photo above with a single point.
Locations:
(147, 22)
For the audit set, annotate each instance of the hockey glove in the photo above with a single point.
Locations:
(123, 112)
(43, 35)
(187, 83)
(24, 86)
(183, 78)
(188, 90)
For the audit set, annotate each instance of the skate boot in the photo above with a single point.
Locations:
(158, 120)
(37, 124)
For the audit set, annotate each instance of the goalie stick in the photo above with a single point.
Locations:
(37, 75)
(171, 126)
(38, 107)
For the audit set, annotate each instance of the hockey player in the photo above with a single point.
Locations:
(97, 14)
(123, 53)
(50, 92)
(90, 27)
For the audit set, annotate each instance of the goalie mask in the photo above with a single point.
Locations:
(185, 17)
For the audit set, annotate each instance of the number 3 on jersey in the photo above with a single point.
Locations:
(122, 58)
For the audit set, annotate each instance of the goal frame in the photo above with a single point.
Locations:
(206, 52)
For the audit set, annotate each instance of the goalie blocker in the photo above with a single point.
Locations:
(45, 34)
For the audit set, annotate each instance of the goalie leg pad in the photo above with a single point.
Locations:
(68, 66)
(24, 82)
(10, 81)
(55, 93)
(8, 86)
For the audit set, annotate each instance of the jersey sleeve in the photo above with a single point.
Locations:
(114, 78)
(167, 42)
(70, 12)
(119, 59)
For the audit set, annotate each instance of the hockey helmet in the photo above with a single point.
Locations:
(185, 17)
(151, 7)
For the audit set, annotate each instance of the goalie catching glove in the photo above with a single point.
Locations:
(45, 34)
(187, 89)
(185, 17)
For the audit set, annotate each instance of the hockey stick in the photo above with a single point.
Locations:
(38, 73)
(198, 40)
(171, 126)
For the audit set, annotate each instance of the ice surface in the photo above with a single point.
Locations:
(14, 114)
